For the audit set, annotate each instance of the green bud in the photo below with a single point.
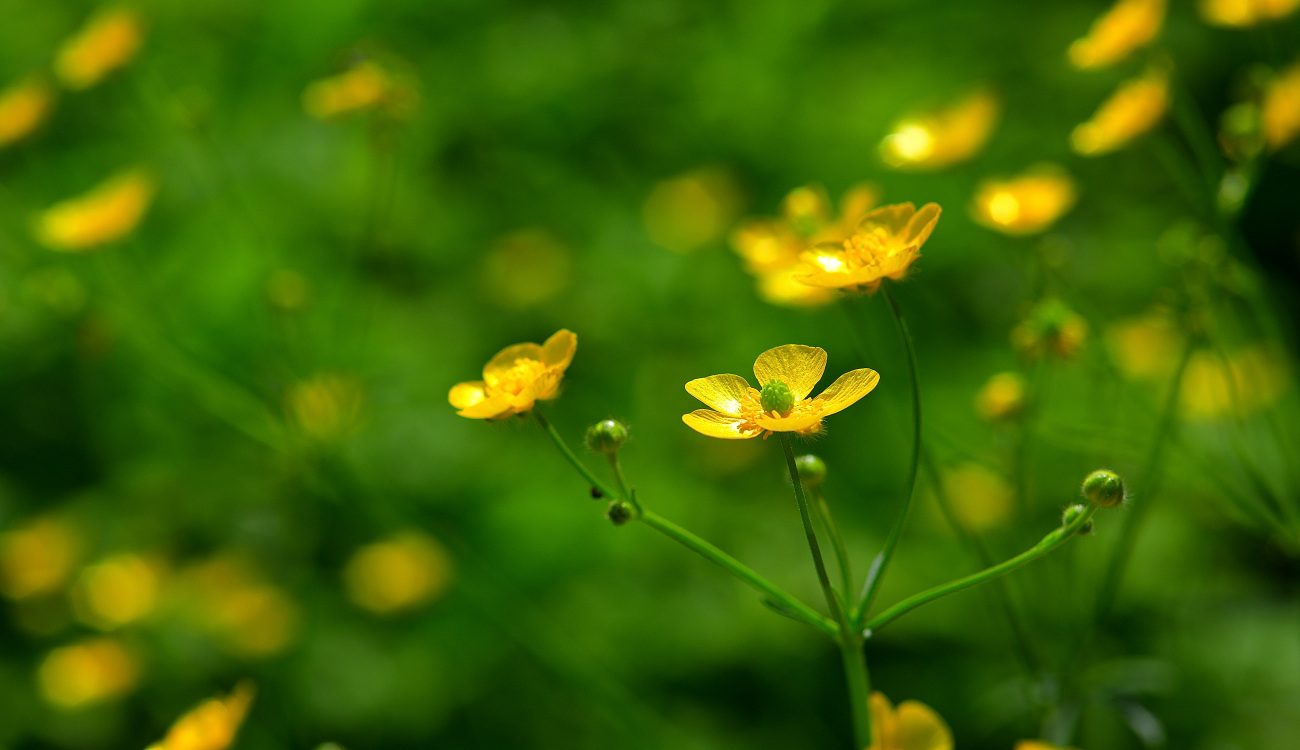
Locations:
(607, 436)
(812, 470)
(776, 396)
(619, 513)
(1104, 488)
(1072, 514)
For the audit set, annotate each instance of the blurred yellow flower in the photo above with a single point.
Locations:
(23, 107)
(527, 268)
(1050, 326)
(107, 213)
(38, 557)
(887, 241)
(211, 725)
(1128, 25)
(1135, 107)
(786, 375)
(942, 138)
(1002, 398)
(86, 673)
(1281, 108)
(980, 498)
(1251, 380)
(288, 290)
(1146, 347)
(1038, 745)
(109, 40)
(399, 573)
(1240, 13)
(1027, 204)
(228, 598)
(326, 407)
(688, 212)
(911, 726)
(515, 378)
(117, 591)
(364, 86)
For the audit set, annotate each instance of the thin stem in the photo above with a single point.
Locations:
(1048, 543)
(573, 457)
(837, 544)
(823, 578)
(879, 565)
(616, 468)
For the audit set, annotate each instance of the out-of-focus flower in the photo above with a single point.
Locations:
(527, 268)
(886, 243)
(1039, 745)
(117, 591)
(1281, 108)
(786, 375)
(1026, 204)
(23, 107)
(211, 725)
(980, 498)
(365, 86)
(691, 210)
(911, 726)
(38, 557)
(1051, 326)
(939, 139)
(515, 378)
(1135, 107)
(1241, 13)
(327, 406)
(108, 41)
(1146, 347)
(1128, 25)
(1249, 381)
(288, 290)
(1002, 398)
(107, 213)
(87, 673)
(229, 599)
(399, 573)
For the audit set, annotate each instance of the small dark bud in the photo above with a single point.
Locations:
(812, 470)
(619, 513)
(596, 494)
(1104, 488)
(607, 436)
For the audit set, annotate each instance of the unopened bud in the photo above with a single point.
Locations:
(596, 494)
(1104, 488)
(619, 513)
(1072, 514)
(607, 436)
(812, 470)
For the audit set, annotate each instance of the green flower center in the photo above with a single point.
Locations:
(776, 396)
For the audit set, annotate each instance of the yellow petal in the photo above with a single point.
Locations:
(847, 389)
(495, 406)
(726, 393)
(796, 421)
(882, 722)
(465, 395)
(921, 224)
(559, 348)
(893, 219)
(711, 423)
(920, 728)
(799, 366)
(507, 357)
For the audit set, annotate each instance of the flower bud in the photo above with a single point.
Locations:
(776, 396)
(619, 513)
(1072, 514)
(607, 436)
(812, 470)
(1104, 488)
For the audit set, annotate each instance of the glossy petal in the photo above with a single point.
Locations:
(507, 357)
(921, 224)
(882, 722)
(711, 423)
(799, 420)
(918, 727)
(726, 393)
(559, 348)
(799, 366)
(465, 395)
(893, 219)
(495, 407)
(847, 389)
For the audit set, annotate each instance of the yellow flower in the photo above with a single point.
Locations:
(116, 591)
(365, 86)
(1240, 13)
(1051, 326)
(1281, 108)
(1129, 24)
(399, 573)
(107, 42)
(940, 139)
(211, 725)
(23, 107)
(87, 673)
(1002, 398)
(107, 213)
(226, 597)
(1038, 745)
(1027, 204)
(786, 375)
(38, 558)
(1249, 381)
(911, 726)
(691, 210)
(515, 378)
(1146, 347)
(886, 243)
(1135, 107)
(980, 498)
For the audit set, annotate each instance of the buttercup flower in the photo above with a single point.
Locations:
(23, 107)
(399, 573)
(1038, 745)
(911, 726)
(884, 246)
(1132, 110)
(1129, 24)
(515, 378)
(85, 673)
(107, 42)
(940, 139)
(211, 725)
(786, 375)
(1241, 13)
(364, 86)
(1281, 110)
(107, 213)
(1027, 204)
(1002, 398)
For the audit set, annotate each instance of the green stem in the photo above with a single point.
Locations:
(1048, 543)
(878, 566)
(837, 544)
(573, 457)
(616, 468)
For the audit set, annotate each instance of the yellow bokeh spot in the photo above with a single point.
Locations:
(38, 558)
(1026, 204)
(1239, 383)
(527, 268)
(1002, 397)
(688, 212)
(107, 42)
(1146, 347)
(87, 673)
(1128, 25)
(1242, 13)
(402, 572)
(944, 137)
(211, 725)
(363, 87)
(23, 107)
(1135, 107)
(107, 213)
(228, 598)
(1280, 112)
(117, 591)
(288, 290)
(326, 407)
(980, 498)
